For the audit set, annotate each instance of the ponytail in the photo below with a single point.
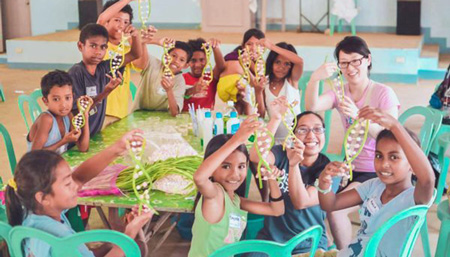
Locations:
(14, 209)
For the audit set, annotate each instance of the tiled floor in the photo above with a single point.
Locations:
(18, 81)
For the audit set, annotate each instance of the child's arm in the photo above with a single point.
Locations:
(113, 84)
(94, 165)
(420, 165)
(218, 58)
(168, 85)
(297, 70)
(147, 38)
(114, 9)
(301, 196)
(330, 201)
(212, 197)
(83, 141)
(273, 208)
(314, 102)
(136, 45)
(44, 125)
(259, 93)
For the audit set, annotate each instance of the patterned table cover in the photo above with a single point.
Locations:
(142, 120)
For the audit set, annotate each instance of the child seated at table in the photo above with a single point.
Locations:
(44, 188)
(52, 130)
(220, 214)
(92, 76)
(397, 157)
(158, 92)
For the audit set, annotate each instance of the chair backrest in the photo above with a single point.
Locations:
(302, 84)
(272, 248)
(418, 211)
(68, 246)
(37, 93)
(9, 147)
(430, 127)
(133, 90)
(5, 229)
(33, 109)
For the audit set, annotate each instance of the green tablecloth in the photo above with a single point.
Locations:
(140, 119)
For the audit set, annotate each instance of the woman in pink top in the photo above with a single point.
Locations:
(354, 62)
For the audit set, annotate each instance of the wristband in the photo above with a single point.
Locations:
(316, 185)
(276, 199)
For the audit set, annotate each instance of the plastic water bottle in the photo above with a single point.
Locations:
(207, 129)
(229, 109)
(233, 123)
(218, 124)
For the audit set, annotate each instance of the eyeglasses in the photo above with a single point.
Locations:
(354, 63)
(305, 130)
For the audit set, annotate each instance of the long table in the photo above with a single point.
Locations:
(166, 204)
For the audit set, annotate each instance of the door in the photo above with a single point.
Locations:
(16, 18)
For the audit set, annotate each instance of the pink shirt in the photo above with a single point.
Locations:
(382, 97)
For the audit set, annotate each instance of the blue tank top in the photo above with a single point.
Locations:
(54, 135)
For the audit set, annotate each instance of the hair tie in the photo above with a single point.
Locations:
(12, 184)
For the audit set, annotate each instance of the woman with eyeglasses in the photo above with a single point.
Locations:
(302, 165)
(354, 62)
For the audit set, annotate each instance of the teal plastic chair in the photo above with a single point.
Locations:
(444, 143)
(68, 246)
(333, 19)
(5, 229)
(133, 90)
(443, 245)
(255, 222)
(418, 211)
(33, 109)
(36, 94)
(430, 127)
(2, 93)
(272, 248)
(9, 148)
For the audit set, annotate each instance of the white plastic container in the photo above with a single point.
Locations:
(207, 129)
(218, 124)
(229, 109)
(233, 123)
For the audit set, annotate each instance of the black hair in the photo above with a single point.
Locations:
(352, 44)
(273, 55)
(308, 113)
(34, 173)
(249, 34)
(215, 144)
(196, 44)
(385, 133)
(56, 78)
(126, 9)
(185, 47)
(92, 30)
(252, 33)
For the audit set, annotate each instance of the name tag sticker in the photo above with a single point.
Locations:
(91, 91)
(235, 221)
(372, 206)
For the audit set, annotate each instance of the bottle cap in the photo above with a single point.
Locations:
(233, 115)
(219, 115)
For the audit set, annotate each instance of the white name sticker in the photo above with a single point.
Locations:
(235, 221)
(91, 91)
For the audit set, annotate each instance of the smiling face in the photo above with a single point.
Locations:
(314, 138)
(179, 60)
(197, 63)
(117, 24)
(391, 164)
(355, 73)
(93, 50)
(232, 172)
(59, 100)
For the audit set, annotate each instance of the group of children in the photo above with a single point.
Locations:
(304, 187)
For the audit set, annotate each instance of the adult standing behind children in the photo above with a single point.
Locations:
(201, 94)
(284, 68)
(354, 61)
(92, 76)
(302, 164)
(52, 129)
(157, 92)
(116, 16)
